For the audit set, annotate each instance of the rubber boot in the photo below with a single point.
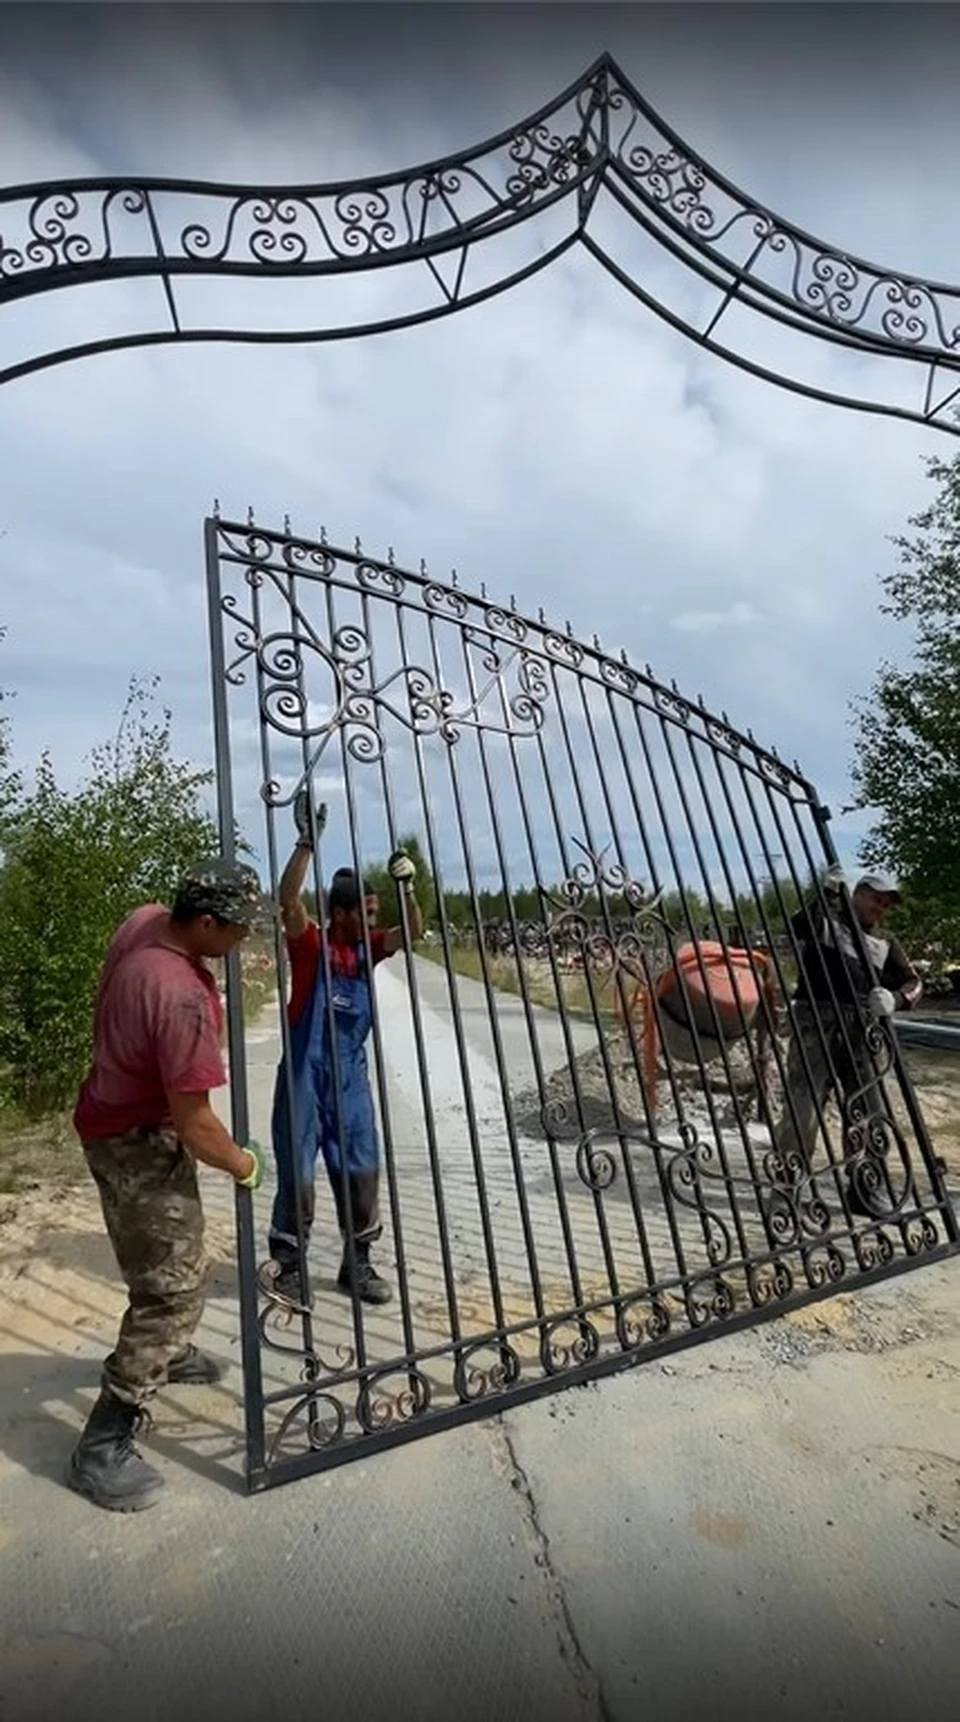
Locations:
(194, 1368)
(105, 1465)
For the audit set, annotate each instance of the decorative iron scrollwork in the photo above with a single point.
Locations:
(567, 1343)
(642, 1319)
(474, 1379)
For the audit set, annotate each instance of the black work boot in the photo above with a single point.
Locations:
(370, 1287)
(194, 1369)
(287, 1286)
(105, 1465)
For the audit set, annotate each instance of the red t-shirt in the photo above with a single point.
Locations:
(304, 954)
(156, 1031)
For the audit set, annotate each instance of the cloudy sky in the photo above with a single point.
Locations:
(558, 443)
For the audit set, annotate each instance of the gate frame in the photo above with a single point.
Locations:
(261, 1474)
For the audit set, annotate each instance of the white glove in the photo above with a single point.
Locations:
(833, 880)
(912, 993)
(402, 870)
(881, 1002)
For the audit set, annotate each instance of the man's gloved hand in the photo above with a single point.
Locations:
(911, 994)
(833, 880)
(881, 1002)
(254, 1178)
(301, 818)
(402, 870)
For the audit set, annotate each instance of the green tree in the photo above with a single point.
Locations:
(74, 866)
(907, 729)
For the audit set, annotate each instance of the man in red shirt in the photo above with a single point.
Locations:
(144, 1117)
(322, 1100)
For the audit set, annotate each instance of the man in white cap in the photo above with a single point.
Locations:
(836, 994)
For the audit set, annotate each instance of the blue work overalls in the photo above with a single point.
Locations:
(317, 1123)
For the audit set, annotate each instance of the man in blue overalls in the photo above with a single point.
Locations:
(345, 1134)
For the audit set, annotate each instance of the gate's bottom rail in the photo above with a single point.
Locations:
(499, 1368)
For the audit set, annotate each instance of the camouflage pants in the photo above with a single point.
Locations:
(151, 1205)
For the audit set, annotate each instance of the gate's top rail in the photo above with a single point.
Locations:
(261, 552)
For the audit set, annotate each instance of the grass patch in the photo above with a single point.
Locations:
(504, 975)
(38, 1152)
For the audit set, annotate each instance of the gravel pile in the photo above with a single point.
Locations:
(590, 1078)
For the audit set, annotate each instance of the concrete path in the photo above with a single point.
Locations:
(768, 1522)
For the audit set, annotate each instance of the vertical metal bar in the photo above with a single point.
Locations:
(423, 1071)
(462, 821)
(356, 1309)
(651, 1003)
(708, 994)
(389, 1148)
(778, 967)
(266, 771)
(243, 1201)
(618, 983)
(463, 1057)
(568, 1042)
(528, 1010)
(685, 909)
(619, 1127)
(832, 1165)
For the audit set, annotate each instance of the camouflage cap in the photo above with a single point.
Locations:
(228, 889)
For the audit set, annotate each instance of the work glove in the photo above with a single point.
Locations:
(833, 880)
(402, 871)
(301, 818)
(254, 1178)
(911, 994)
(881, 1002)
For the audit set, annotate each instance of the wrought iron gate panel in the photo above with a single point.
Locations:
(580, 1167)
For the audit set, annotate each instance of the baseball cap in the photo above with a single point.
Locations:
(881, 883)
(228, 889)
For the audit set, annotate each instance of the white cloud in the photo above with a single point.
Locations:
(739, 615)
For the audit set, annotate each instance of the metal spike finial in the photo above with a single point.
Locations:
(390, 556)
(543, 619)
(623, 655)
(483, 590)
(356, 547)
(286, 525)
(423, 565)
(250, 519)
(513, 603)
(323, 535)
(216, 508)
(569, 630)
(596, 643)
(453, 576)
(649, 672)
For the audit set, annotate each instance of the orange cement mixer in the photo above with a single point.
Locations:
(707, 999)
